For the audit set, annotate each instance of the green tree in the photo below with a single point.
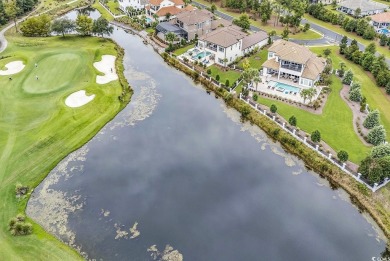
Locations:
(285, 33)
(306, 27)
(227, 83)
(355, 95)
(372, 119)
(343, 44)
(255, 97)
(170, 37)
(11, 9)
(167, 16)
(63, 26)
(371, 48)
(292, 120)
(243, 22)
(348, 77)
(377, 135)
(358, 12)
(84, 25)
(273, 108)
(342, 155)
(383, 40)
(213, 8)
(36, 26)
(380, 151)
(315, 136)
(265, 11)
(217, 77)
(248, 75)
(101, 27)
(327, 52)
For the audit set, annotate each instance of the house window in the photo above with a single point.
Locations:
(220, 61)
(221, 49)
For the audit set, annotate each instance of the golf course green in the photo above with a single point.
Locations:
(37, 129)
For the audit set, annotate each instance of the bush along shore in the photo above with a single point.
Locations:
(360, 195)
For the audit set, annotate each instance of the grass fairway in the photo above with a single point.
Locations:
(37, 129)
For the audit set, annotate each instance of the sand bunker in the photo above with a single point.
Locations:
(12, 68)
(78, 99)
(106, 66)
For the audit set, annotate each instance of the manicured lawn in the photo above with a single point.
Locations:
(269, 27)
(335, 28)
(102, 11)
(37, 129)
(257, 59)
(376, 97)
(180, 51)
(114, 7)
(334, 124)
(149, 30)
(230, 75)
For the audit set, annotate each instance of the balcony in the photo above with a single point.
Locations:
(213, 48)
(297, 68)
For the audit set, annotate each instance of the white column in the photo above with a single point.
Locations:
(344, 164)
(273, 117)
(330, 156)
(375, 186)
(359, 175)
(264, 112)
(294, 131)
(256, 106)
(284, 124)
(240, 95)
(317, 147)
(304, 140)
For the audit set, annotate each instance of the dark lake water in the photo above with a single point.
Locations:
(181, 165)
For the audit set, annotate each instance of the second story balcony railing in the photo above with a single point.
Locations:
(297, 68)
(211, 48)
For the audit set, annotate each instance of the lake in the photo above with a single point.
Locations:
(177, 170)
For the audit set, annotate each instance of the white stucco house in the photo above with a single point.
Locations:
(293, 61)
(228, 43)
(164, 8)
(367, 7)
(136, 4)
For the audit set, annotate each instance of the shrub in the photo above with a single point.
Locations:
(355, 95)
(375, 169)
(20, 190)
(217, 77)
(315, 136)
(273, 108)
(380, 151)
(292, 120)
(255, 97)
(19, 227)
(372, 120)
(342, 155)
(227, 83)
(354, 86)
(208, 71)
(348, 77)
(245, 110)
(377, 135)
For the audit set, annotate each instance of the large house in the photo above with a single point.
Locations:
(135, 4)
(325, 2)
(367, 7)
(293, 61)
(381, 22)
(166, 9)
(228, 43)
(190, 25)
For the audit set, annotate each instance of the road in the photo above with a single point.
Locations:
(328, 37)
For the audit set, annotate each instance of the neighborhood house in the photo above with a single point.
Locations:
(228, 43)
(381, 22)
(367, 7)
(166, 10)
(292, 61)
(135, 4)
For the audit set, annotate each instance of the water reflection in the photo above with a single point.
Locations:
(179, 168)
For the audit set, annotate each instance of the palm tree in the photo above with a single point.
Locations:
(170, 37)
(256, 80)
(155, 17)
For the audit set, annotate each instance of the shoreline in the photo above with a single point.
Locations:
(361, 197)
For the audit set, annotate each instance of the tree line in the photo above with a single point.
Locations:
(11, 9)
(361, 25)
(41, 26)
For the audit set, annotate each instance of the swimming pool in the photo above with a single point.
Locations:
(284, 87)
(148, 20)
(201, 55)
(384, 31)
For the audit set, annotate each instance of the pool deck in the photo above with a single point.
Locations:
(189, 57)
(263, 88)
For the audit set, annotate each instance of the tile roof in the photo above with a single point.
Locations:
(177, 2)
(290, 51)
(272, 64)
(195, 16)
(364, 5)
(220, 23)
(224, 36)
(314, 68)
(173, 10)
(155, 2)
(253, 39)
(381, 18)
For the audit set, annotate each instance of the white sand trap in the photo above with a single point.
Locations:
(78, 99)
(12, 68)
(106, 66)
